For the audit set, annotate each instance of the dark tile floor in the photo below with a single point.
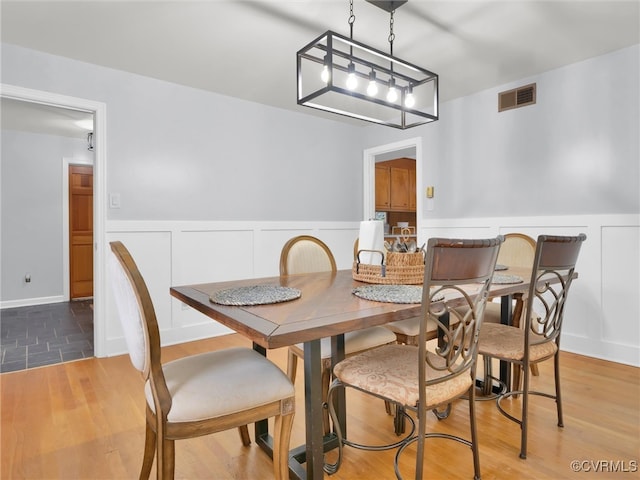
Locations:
(45, 334)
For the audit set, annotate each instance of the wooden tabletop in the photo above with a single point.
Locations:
(327, 307)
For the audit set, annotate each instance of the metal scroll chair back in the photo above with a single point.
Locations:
(539, 340)
(420, 378)
(551, 278)
(454, 268)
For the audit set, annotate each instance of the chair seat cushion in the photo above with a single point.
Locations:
(356, 341)
(411, 326)
(220, 383)
(507, 343)
(391, 371)
(493, 313)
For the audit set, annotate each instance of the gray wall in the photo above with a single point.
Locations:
(576, 151)
(177, 153)
(31, 212)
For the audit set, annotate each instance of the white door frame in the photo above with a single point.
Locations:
(99, 111)
(369, 172)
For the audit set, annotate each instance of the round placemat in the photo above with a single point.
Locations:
(391, 293)
(502, 279)
(255, 295)
(501, 267)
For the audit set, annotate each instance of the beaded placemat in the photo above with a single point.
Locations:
(391, 293)
(501, 267)
(255, 295)
(502, 279)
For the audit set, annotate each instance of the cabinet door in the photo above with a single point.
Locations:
(412, 190)
(383, 192)
(399, 188)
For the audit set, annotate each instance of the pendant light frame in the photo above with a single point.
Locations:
(337, 53)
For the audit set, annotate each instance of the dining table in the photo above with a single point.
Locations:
(326, 307)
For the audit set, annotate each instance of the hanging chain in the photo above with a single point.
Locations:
(392, 36)
(352, 18)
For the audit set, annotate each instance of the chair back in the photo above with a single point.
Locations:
(460, 269)
(306, 254)
(517, 250)
(555, 259)
(137, 316)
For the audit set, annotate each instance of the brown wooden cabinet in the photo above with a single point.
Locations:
(412, 188)
(383, 188)
(396, 185)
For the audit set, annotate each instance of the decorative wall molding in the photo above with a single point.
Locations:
(601, 318)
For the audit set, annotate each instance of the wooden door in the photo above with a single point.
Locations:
(81, 231)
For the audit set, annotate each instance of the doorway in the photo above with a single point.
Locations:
(98, 109)
(412, 148)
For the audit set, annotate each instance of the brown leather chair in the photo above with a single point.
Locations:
(539, 338)
(419, 378)
(200, 394)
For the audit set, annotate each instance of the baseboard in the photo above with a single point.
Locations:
(30, 302)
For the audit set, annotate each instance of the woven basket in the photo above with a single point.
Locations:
(400, 269)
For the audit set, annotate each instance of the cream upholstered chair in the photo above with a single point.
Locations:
(517, 250)
(200, 394)
(539, 339)
(308, 254)
(418, 378)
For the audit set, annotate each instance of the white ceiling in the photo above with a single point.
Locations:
(247, 49)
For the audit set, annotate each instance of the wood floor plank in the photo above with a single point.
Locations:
(85, 419)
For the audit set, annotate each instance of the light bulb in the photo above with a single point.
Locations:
(324, 76)
(372, 89)
(352, 81)
(392, 94)
(409, 100)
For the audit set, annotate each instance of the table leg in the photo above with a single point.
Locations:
(313, 409)
(339, 397)
(506, 316)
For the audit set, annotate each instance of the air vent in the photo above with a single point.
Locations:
(516, 98)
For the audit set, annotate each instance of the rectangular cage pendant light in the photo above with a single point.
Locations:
(340, 75)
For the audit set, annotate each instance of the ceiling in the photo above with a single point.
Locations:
(247, 49)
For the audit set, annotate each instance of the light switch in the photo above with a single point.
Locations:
(114, 200)
(430, 191)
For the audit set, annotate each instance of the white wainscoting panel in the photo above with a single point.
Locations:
(603, 312)
(601, 317)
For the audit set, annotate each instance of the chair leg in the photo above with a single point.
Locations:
(149, 452)
(525, 411)
(487, 385)
(517, 377)
(534, 369)
(556, 367)
(474, 433)
(168, 462)
(244, 435)
(292, 366)
(326, 380)
(281, 440)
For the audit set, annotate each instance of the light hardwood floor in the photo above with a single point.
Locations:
(85, 419)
